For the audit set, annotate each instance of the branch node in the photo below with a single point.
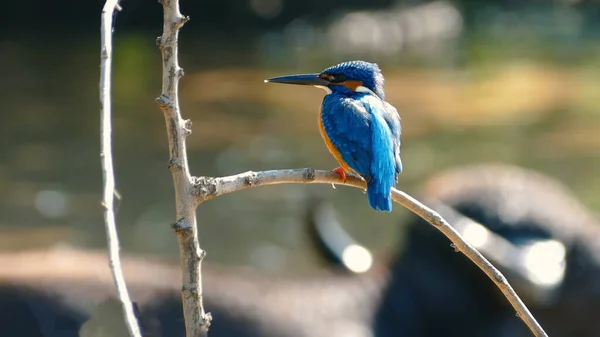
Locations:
(163, 101)
(453, 246)
(173, 165)
(158, 41)
(500, 279)
(206, 320)
(180, 73)
(436, 219)
(310, 174)
(204, 188)
(187, 127)
(251, 179)
(180, 21)
(181, 226)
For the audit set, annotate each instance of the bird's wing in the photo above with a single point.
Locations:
(392, 119)
(347, 124)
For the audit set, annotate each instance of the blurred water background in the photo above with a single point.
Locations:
(475, 81)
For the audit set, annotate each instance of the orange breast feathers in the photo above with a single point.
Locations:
(331, 147)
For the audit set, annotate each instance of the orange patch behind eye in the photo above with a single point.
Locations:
(352, 85)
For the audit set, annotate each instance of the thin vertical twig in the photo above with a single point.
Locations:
(191, 255)
(112, 237)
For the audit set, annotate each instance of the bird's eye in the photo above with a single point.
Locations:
(337, 78)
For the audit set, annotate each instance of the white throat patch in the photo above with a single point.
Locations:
(365, 90)
(327, 90)
(359, 89)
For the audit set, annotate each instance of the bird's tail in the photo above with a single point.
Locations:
(379, 195)
(383, 166)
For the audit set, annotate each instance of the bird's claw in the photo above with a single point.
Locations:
(342, 173)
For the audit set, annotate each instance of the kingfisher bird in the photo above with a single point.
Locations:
(361, 130)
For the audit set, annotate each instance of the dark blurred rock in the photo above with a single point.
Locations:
(24, 312)
(74, 286)
(435, 291)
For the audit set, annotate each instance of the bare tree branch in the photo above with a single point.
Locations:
(189, 192)
(112, 237)
(206, 188)
(196, 320)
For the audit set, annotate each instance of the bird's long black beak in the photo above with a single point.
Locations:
(303, 79)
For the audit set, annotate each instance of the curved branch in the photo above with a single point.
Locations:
(108, 174)
(206, 188)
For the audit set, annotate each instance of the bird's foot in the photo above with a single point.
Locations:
(341, 172)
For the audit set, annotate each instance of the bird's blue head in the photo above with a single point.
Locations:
(344, 78)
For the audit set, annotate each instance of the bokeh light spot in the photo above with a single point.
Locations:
(51, 203)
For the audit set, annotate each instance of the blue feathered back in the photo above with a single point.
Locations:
(357, 125)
